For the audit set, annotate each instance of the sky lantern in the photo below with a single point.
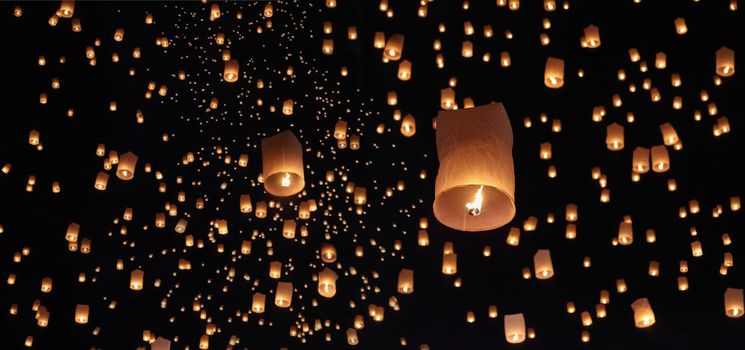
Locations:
(542, 263)
(406, 281)
(660, 159)
(327, 283)
(81, 313)
(394, 46)
(282, 158)
(640, 160)
(126, 168)
(230, 73)
(475, 185)
(734, 304)
(514, 328)
(725, 62)
(136, 279)
(591, 40)
(553, 75)
(643, 314)
(614, 137)
(283, 294)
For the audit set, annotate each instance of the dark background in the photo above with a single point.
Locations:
(706, 169)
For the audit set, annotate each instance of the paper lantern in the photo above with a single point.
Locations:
(393, 47)
(282, 159)
(660, 159)
(545, 150)
(571, 212)
(542, 264)
(102, 179)
(327, 46)
(680, 26)
(734, 304)
(625, 233)
(725, 62)
(288, 229)
(553, 75)
(46, 285)
(275, 269)
(136, 279)
(447, 98)
(340, 130)
(514, 328)
(161, 344)
(258, 302)
(328, 253)
(66, 9)
(283, 294)
(81, 314)
(404, 70)
(643, 314)
(408, 126)
(230, 73)
(449, 263)
(352, 337)
(614, 137)
(360, 195)
(591, 39)
(669, 136)
(268, 10)
(640, 160)
(287, 106)
(475, 185)
(406, 281)
(73, 230)
(126, 168)
(327, 283)
(379, 40)
(467, 49)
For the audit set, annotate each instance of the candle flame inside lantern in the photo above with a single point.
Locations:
(474, 208)
(286, 180)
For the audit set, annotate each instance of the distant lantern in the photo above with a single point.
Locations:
(72, 232)
(327, 47)
(327, 283)
(625, 233)
(404, 70)
(66, 9)
(542, 263)
(126, 168)
(660, 159)
(592, 37)
(641, 160)
(669, 136)
(258, 302)
(447, 98)
(514, 328)
(571, 212)
(287, 106)
(408, 126)
(283, 294)
(352, 337)
(102, 179)
(725, 62)
(545, 152)
(268, 10)
(643, 314)
(282, 158)
(340, 130)
(288, 229)
(475, 185)
(393, 47)
(614, 137)
(379, 40)
(553, 75)
(328, 253)
(360, 195)
(136, 279)
(230, 73)
(81, 314)
(467, 49)
(680, 26)
(734, 304)
(406, 281)
(449, 263)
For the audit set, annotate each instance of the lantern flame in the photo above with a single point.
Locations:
(474, 208)
(286, 180)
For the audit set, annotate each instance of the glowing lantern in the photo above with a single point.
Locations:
(514, 328)
(660, 159)
(327, 46)
(328, 253)
(327, 283)
(474, 189)
(625, 233)
(591, 39)
(725, 62)
(450, 264)
(352, 337)
(81, 314)
(72, 232)
(282, 157)
(288, 229)
(406, 281)
(734, 304)
(614, 137)
(393, 47)
(136, 279)
(66, 9)
(643, 314)
(404, 70)
(283, 294)
(102, 179)
(408, 126)
(553, 75)
(669, 136)
(258, 302)
(641, 160)
(230, 73)
(447, 99)
(571, 212)
(542, 263)
(126, 168)
(680, 26)
(268, 10)
(287, 106)
(467, 49)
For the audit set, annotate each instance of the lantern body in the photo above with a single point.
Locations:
(258, 302)
(136, 280)
(542, 262)
(230, 73)
(643, 314)
(340, 130)
(592, 37)
(81, 314)
(126, 168)
(514, 328)
(614, 137)
(734, 305)
(393, 47)
(725, 62)
(282, 159)
(327, 283)
(283, 296)
(641, 160)
(660, 159)
(406, 281)
(553, 75)
(474, 147)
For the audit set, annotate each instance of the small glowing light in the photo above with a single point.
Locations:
(286, 180)
(474, 208)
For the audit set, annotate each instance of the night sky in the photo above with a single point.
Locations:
(147, 78)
